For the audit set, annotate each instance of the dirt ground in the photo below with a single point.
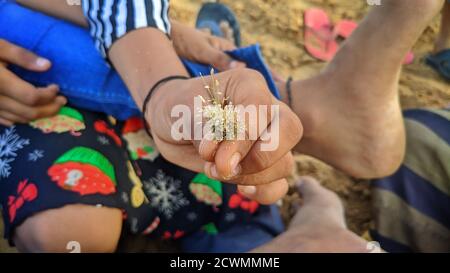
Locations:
(277, 25)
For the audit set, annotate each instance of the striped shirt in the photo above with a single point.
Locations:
(109, 20)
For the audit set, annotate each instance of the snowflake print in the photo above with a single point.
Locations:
(125, 197)
(35, 155)
(230, 217)
(10, 143)
(164, 194)
(192, 216)
(5, 167)
(103, 140)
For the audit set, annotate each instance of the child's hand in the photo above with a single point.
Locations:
(21, 102)
(242, 161)
(197, 46)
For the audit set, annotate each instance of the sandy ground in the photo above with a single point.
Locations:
(277, 26)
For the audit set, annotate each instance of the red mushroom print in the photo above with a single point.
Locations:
(85, 171)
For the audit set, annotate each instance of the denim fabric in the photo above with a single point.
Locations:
(239, 238)
(78, 68)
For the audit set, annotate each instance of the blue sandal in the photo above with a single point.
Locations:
(441, 63)
(211, 15)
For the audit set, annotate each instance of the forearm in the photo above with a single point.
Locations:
(141, 57)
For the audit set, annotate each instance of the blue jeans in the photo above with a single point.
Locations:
(82, 74)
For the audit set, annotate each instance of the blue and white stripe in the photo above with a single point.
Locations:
(109, 20)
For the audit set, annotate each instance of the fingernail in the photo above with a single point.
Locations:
(234, 164)
(248, 190)
(62, 100)
(42, 62)
(214, 171)
(236, 171)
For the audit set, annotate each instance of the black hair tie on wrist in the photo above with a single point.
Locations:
(289, 91)
(149, 95)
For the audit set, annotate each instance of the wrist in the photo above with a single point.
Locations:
(160, 97)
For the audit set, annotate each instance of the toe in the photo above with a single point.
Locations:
(313, 192)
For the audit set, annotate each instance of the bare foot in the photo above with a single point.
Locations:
(318, 226)
(443, 40)
(350, 112)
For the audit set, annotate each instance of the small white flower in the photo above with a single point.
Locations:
(223, 119)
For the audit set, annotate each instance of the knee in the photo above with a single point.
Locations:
(70, 229)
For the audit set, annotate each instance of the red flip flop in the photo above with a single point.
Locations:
(319, 38)
(345, 28)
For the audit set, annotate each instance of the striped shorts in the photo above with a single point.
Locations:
(412, 207)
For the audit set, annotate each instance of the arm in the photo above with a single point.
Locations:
(152, 58)
(144, 56)
(189, 43)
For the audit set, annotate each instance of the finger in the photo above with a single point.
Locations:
(225, 45)
(221, 43)
(173, 153)
(266, 194)
(255, 112)
(29, 113)
(6, 122)
(51, 109)
(12, 117)
(284, 132)
(219, 59)
(13, 54)
(309, 187)
(313, 192)
(315, 196)
(206, 148)
(22, 91)
(282, 169)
